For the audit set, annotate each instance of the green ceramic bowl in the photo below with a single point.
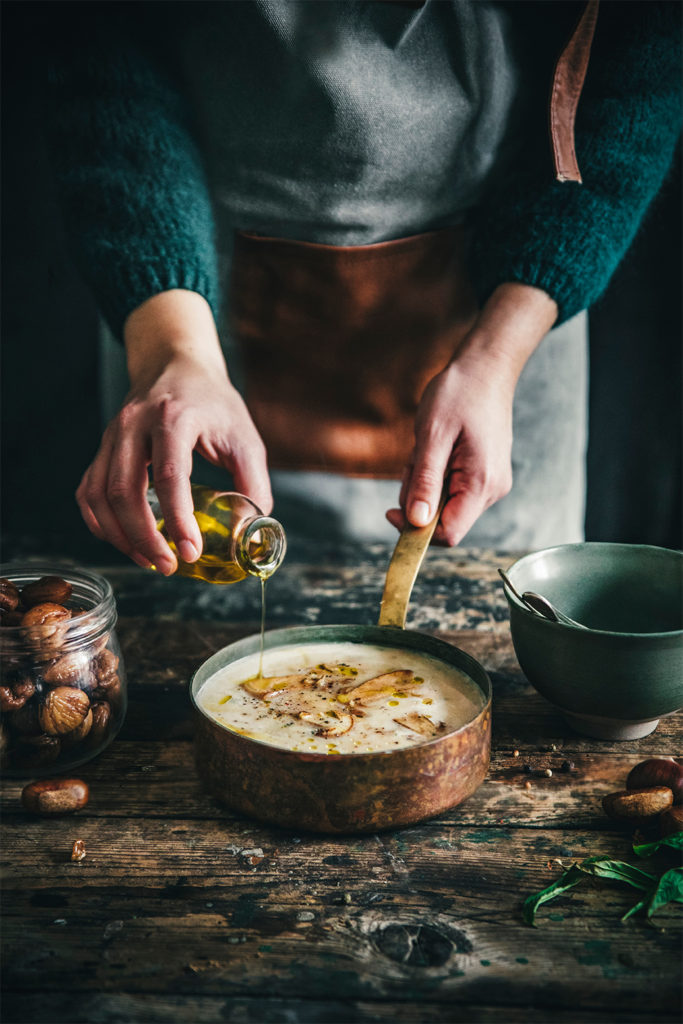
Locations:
(618, 677)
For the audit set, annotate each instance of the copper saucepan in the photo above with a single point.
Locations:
(344, 793)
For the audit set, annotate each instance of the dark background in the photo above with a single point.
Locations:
(50, 385)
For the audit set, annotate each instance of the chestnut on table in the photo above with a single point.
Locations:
(180, 910)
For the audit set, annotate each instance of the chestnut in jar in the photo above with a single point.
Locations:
(9, 595)
(51, 589)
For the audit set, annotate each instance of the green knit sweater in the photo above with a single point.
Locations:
(137, 204)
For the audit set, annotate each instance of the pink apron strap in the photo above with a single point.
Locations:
(568, 79)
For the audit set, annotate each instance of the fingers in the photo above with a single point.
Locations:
(94, 504)
(460, 512)
(474, 486)
(396, 518)
(248, 463)
(187, 408)
(112, 496)
(463, 432)
(250, 472)
(476, 481)
(127, 495)
(405, 480)
(236, 444)
(84, 506)
(173, 441)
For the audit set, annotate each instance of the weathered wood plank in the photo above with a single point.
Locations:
(159, 780)
(419, 914)
(35, 854)
(330, 583)
(176, 950)
(248, 942)
(108, 1008)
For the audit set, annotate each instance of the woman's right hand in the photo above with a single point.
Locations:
(181, 400)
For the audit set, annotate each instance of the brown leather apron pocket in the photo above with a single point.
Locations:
(340, 342)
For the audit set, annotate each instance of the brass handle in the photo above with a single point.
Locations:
(403, 569)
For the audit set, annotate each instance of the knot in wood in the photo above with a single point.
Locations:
(420, 945)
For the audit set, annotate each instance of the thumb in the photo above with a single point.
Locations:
(430, 463)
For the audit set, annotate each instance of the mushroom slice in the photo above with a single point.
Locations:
(420, 723)
(312, 679)
(301, 697)
(263, 686)
(379, 686)
(324, 678)
(332, 723)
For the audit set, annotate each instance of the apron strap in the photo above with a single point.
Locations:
(568, 79)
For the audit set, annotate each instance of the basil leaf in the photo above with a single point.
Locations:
(597, 867)
(567, 880)
(647, 849)
(618, 871)
(635, 908)
(668, 890)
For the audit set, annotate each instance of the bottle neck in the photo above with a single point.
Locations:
(260, 546)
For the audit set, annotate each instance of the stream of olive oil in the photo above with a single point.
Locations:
(263, 624)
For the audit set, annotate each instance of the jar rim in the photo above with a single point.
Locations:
(97, 619)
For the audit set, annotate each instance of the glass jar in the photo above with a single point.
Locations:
(63, 683)
(238, 540)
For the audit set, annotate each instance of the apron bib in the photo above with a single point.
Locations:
(340, 342)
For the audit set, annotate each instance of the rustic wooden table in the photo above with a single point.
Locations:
(184, 912)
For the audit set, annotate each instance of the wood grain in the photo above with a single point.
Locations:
(158, 780)
(114, 1008)
(217, 908)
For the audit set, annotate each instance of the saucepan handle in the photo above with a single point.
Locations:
(403, 569)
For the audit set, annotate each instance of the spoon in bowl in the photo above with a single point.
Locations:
(543, 607)
(538, 604)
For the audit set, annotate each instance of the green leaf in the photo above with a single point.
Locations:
(618, 871)
(658, 891)
(675, 842)
(668, 890)
(567, 880)
(635, 908)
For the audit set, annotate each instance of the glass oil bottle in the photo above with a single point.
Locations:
(238, 540)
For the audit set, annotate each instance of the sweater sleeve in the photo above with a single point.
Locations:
(129, 176)
(568, 238)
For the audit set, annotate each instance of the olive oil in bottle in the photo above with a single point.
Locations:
(238, 540)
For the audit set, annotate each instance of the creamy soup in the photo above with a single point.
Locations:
(341, 698)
